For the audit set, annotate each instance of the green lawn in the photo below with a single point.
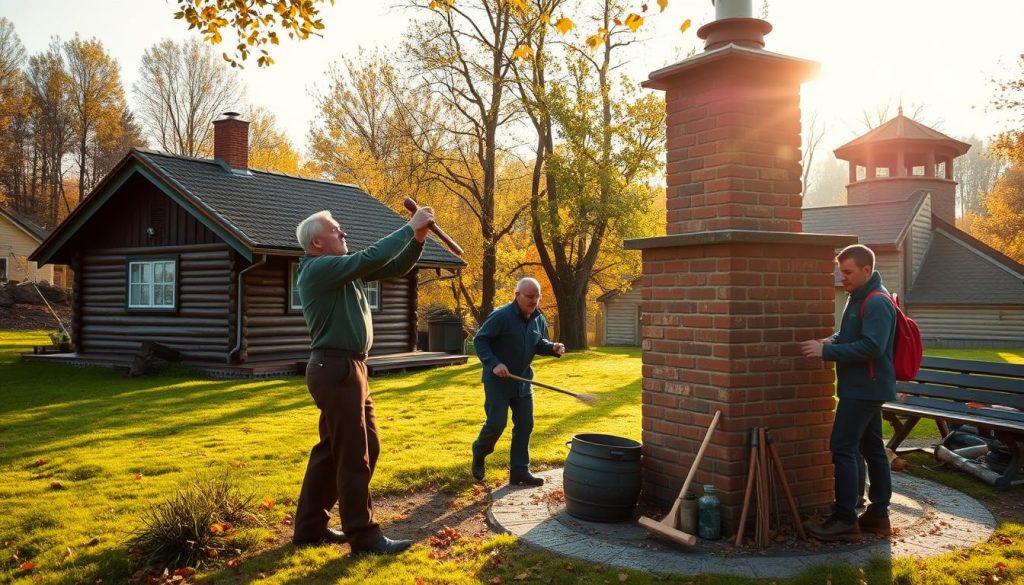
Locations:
(84, 452)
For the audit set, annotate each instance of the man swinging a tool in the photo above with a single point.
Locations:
(506, 344)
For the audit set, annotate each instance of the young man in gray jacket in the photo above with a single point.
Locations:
(863, 353)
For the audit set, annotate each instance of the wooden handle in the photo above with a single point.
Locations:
(543, 385)
(673, 516)
(456, 249)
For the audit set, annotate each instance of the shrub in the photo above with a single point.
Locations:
(194, 525)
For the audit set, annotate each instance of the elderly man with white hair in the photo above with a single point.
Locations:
(506, 344)
(332, 287)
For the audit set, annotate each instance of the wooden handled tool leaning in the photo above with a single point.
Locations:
(669, 525)
(456, 249)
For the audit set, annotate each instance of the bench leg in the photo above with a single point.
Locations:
(900, 429)
(1012, 472)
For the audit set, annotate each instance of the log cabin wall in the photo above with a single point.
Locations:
(141, 222)
(274, 331)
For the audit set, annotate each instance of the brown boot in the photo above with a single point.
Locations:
(875, 523)
(834, 529)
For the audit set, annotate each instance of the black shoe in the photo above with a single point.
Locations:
(525, 478)
(875, 523)
(385, 546)
(478, 468)
(834, 529)
(332, 536)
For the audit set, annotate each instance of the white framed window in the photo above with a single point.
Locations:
(3, 269)
(294, 303)
(373, 295)
(151, 284)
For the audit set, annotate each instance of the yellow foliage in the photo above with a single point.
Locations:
(564, 25)
(663, 4)
(522, 52)
(634, 21)
(685, 26)
(1002, 226)
(519, 5)
(595, 41)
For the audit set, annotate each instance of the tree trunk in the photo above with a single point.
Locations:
(572, 317)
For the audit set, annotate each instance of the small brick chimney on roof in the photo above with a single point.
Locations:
(231, 140)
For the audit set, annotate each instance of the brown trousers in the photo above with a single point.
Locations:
(342, 463)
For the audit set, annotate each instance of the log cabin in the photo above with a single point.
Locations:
(200, 255)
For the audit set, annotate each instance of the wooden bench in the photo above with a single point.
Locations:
(986, 395)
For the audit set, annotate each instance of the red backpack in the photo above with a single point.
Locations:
(907, 347)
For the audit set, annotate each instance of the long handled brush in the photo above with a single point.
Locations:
(588, 399)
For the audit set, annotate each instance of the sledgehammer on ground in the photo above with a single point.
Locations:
(669, 525)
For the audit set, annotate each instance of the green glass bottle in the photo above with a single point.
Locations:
(709, 515)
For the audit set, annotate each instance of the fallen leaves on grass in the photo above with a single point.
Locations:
(26, 566)
(268, 503)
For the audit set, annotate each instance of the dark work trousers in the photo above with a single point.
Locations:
(858, 430)
(342, 463)
(498, 399)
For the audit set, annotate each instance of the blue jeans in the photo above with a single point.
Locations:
(856, 433)
(498, 399)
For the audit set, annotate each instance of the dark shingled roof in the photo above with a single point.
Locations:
(875, 224)
(960, 270)
(263, 208)
(36, 230)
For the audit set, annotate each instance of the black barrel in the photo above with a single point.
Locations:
(602, 477)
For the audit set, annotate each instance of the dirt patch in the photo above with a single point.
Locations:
(23, 317)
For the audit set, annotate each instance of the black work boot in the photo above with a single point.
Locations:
(478, 468)
(525, 478)
(833, 529)
(875, 523)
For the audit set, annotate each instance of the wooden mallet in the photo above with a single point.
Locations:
(456, 249)
(669, 525)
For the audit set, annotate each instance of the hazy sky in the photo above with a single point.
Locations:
(940, 53)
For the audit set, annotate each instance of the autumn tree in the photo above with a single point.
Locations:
(14, 104)
(362, 133)
(1002, 223)
(462, 54)
(975, 174)
(182, 89)
(598, 144)
(97, 104)
(51, 127)
(269, 146)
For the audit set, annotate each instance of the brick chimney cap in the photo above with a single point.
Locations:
(230, 116)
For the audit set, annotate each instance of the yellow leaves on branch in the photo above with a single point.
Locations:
(522, 52)
(519, 5)
(634, 21)
(595, 41)
(446, 4)
(663, 4)
(685, 26)
(564, 25)
(253, 22)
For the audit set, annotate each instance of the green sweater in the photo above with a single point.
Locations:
(333, 289)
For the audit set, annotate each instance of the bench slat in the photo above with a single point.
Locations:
(958, 412)
(955, 365)
(962, 394)
(1002, 384)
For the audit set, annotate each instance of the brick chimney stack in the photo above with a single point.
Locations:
(734, 285)
(231, 140)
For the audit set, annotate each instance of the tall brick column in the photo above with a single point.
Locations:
(734, 286)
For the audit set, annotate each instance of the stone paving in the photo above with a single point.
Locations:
(928, 519)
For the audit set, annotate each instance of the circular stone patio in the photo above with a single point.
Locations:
(927, 518)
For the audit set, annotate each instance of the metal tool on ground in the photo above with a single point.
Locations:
(764, 459)
(668, 527)
(456, 249)
(581, 396)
